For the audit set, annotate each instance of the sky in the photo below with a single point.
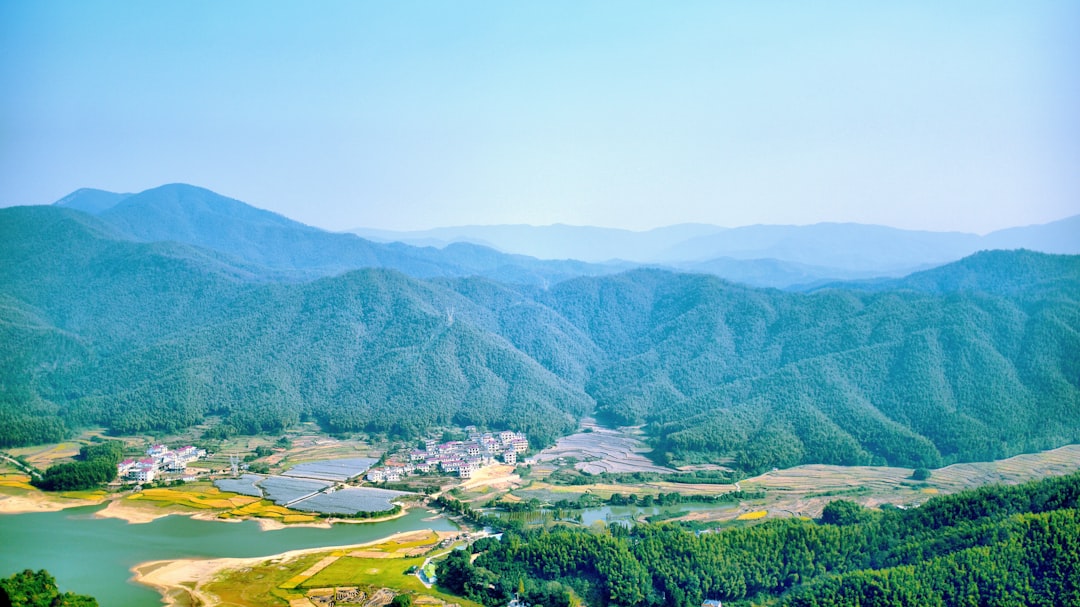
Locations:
(411, 115)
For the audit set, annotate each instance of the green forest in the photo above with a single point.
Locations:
(975, 360)
(996, 545)
(95, 466)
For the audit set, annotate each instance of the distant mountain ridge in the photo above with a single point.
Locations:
(197, 216)
(807, 253)
(784, 257)
(559, 241)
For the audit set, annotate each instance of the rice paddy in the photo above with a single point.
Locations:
(16, 481)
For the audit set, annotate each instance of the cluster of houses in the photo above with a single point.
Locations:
(159, 460)
(460, 457)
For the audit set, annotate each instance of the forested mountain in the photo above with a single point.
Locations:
(977, 359)
(147, 337)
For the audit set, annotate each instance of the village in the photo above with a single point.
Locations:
(160, 460)
(461, 457)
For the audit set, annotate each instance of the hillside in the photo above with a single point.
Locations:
(149, 337)
(974, 360)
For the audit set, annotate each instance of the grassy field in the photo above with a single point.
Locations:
(275, 583)
(804, 490)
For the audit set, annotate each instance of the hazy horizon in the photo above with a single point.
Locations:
(569, 225)
(415, 116)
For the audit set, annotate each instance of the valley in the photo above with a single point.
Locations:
(548, 304)
(584, 409)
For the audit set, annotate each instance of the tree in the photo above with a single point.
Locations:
(38, 589)
(842, 512)
(920, 474)
(401, 600)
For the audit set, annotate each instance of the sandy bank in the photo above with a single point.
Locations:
(39, 502)
(136, 515)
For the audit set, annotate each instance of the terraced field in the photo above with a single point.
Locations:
(601, 450)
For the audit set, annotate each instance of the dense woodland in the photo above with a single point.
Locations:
(95, 466)
(997, 545)
(978, 359)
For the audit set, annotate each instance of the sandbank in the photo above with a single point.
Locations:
(136, 515)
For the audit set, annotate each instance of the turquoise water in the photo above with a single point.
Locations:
(94, 556)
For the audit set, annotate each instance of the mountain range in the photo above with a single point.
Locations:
(788, 257)
(162, 310)
(285, 249)
(761, 255)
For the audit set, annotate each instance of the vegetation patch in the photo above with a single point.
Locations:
(752, 516)
(16, 481)
(273, 583)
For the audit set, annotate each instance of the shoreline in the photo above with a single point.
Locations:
(141, 514)
(180, 581)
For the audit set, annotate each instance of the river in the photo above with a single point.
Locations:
(91, 555)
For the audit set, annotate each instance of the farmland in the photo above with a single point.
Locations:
(801, 491)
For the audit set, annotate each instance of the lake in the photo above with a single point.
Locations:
(90, 555)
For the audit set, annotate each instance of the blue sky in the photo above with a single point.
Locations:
(410, 115)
